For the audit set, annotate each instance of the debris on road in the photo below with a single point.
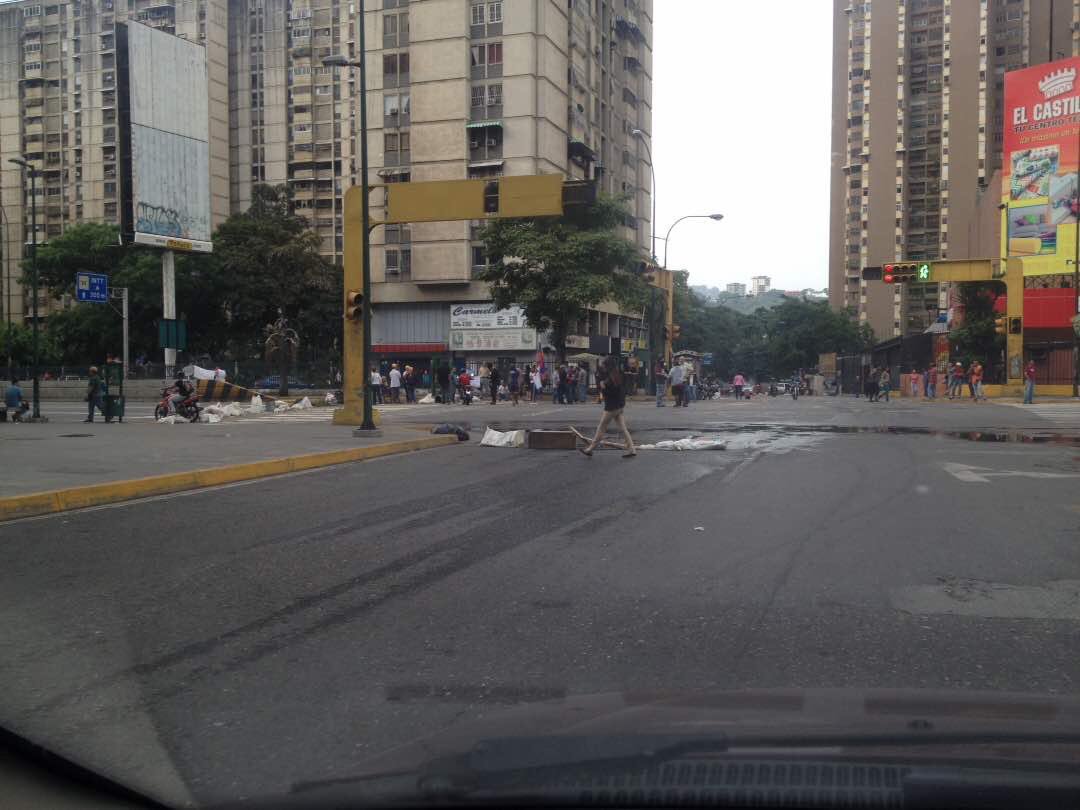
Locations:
(497, 438)
(446, 428)
(688, 443)
(699, 528)
(302, 405)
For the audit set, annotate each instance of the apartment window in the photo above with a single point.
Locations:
(479, 256)
(398, 263)
(477, 12)
(396, 110)
(32, 47)
(494, 53)
(478, 95)
(395, 69)
(33, 66)
(1013, 14)
(32, 11)
(494, 95)
(110, 189)
(479, 55)
(495, 12)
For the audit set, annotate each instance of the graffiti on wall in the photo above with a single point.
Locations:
(159, 220)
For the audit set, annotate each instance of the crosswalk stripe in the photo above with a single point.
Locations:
(1063, 414)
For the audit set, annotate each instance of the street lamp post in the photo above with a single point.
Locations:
(640, 135)
(36, 414)
(667, 237)
(368, 422)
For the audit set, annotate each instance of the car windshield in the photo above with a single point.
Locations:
(600, 428)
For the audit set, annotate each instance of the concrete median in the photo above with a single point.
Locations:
(79, 497)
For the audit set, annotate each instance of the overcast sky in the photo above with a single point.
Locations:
(741, 99)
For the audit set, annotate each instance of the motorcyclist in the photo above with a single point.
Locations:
(181, 390)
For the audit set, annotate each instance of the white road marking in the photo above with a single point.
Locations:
(1060, 413)
(982, 475)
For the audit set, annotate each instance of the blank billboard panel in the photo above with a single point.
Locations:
(167, 155)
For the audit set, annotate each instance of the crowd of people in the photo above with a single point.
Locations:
(878, 383)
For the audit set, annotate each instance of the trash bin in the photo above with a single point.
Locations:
(114, 407)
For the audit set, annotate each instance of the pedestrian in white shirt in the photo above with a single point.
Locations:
(376, 387)
(395, 384)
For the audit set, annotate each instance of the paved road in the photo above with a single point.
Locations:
(232, 642)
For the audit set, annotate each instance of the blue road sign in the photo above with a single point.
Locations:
(707, 359)
(92, 287)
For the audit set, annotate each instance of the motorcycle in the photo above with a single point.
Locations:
(187, 409)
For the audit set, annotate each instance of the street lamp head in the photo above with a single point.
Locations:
(716, 217)
(335, 60)
(637, 133)
(19, 162)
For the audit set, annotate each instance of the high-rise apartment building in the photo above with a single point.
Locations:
(908, 178)
(760, 284)
(736, 288)
(58, 112)
(291, 119)
(457, 89)
(481, 88)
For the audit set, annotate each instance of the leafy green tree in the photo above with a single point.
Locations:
(17, 346)
(266, 264)
(976, 339)
(557, 267)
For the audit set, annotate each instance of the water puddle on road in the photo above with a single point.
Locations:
(981, 435)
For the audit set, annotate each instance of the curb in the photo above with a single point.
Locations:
(62, 500)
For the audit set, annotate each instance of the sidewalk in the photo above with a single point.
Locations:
(89, 464)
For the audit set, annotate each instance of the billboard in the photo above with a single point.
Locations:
(164, 130)
(1041, 157)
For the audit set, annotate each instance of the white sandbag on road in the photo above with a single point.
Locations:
(689, 443)
(302, 405)
(428, 400)
(497, 438)
(256, 405)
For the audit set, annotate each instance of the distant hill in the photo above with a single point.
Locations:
(747, 304)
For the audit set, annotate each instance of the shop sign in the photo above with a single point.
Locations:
(485, 316)
(478, 340)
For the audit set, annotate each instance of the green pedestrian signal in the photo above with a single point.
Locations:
(924, 272)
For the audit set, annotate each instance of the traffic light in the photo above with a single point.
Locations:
(676, 332)
(1016, 326)
(667, 333)
(906, 271)
(999, 325)
(354, 305)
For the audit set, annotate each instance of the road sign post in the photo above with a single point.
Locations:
(92, 288)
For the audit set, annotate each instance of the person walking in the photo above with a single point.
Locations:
(677, 378)
(931, 382)
(926, 383)
(661, 377)
(464, 386)
(408, 380)
(560, 385)
(515, 383)
(690, 389)
(494, 378)
(442, 377)
(913, 380)
(613, 391)
(1029, 383)
(537, 385)
(583, 382)
(93, 395)
(395, 384)
(884, 381)
(571, 384)
(738, 384)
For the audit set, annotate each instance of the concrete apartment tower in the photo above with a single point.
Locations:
(916, 137)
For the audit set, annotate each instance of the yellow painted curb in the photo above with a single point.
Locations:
(61, 500)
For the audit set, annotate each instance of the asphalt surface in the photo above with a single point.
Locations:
(233, 642)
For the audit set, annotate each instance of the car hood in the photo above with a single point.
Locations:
(798, 715)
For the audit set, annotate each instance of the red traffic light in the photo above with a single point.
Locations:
(887, 270)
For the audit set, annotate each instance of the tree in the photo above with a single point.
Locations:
(976, 339)
(267, 265)
(557, 267)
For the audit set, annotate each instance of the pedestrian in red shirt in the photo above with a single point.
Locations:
(1029, 383)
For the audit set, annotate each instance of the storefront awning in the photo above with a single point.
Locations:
(486, 164)
(483, 124)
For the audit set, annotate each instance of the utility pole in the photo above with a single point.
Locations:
(36, 413)
(168, 303)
